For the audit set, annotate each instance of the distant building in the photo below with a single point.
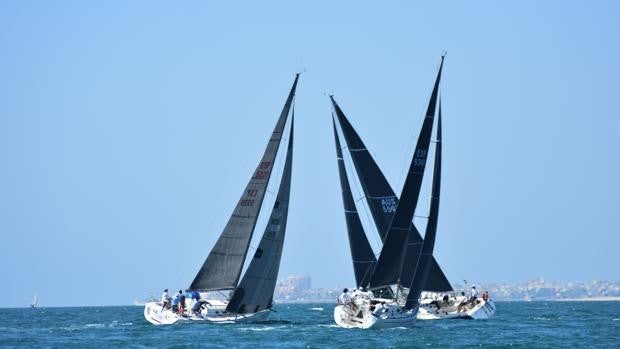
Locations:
(295, 284)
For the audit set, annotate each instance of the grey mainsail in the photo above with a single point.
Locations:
(382, 202)
(361, 252)
(392, 258)
(255, 291)
(222, 268)
(423, 264)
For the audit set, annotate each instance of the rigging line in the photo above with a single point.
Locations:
(452, 264)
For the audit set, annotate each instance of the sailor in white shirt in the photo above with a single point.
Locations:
(474, 293)
(165, 298)
(345, 297)
(379, 309)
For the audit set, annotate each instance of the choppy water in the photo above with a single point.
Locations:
(520, 324)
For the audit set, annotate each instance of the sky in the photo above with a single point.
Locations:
(128, 130)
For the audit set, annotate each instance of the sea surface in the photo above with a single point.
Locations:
(516, 324)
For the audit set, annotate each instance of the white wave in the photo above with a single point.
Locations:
(260, 329)
(95, 325)
(319, 309)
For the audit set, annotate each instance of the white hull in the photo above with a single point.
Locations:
(348, 317)
(479, 311)
(215, 313)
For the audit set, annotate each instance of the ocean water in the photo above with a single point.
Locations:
(516, 324)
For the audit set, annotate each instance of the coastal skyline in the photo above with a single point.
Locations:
(128, 130)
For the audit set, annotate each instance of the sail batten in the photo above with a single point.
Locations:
(255, 291)
(397, 262)
(223, 265)
(382, 202)
(362, 254)
(424, 260)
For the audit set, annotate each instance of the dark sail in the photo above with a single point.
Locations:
(392, 257)
(361, 253)
(379, 194)
(223, 266)
(382, 203)
(255, 291)
(423, 265)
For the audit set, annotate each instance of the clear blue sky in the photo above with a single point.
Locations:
(128, 130)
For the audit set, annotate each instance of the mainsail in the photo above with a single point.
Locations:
(382, 202)
(361, 252)
(222, 268)
(397, 244)
(423, 264)
(255, 291)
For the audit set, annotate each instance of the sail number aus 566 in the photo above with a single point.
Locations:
(388, 204)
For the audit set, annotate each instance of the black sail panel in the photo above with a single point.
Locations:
(392, 258)
(223, 265)
(425, 258)
(379, 195)
(255, 291)
(361, 253)
(382, 202)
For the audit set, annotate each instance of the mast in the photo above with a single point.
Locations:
(255, 291)
(391, 260)
(361, 253)
(423, 264)
(382, 202)
(222, 267)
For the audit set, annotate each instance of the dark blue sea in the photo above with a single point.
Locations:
(516, 324)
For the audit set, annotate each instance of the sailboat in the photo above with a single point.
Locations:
(251, 298)
(35, 301)
(439, 299)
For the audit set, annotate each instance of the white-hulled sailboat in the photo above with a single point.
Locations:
(382, 202)
(390, 270)
(251, 298)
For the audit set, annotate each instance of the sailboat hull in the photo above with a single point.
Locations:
(347, 317)
(479, 311)
(216, 313)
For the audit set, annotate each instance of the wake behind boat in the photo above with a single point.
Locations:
(251, 298)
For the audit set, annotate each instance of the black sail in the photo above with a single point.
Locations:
(223, 265)
(379, 195)
(382, 202)
(423, 265)
(255, 291)
(392, 258)
(361, 253)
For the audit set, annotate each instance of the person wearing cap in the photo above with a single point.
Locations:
(474, 293)
(345, 298)
(165, 299)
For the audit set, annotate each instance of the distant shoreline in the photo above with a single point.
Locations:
(589, 299)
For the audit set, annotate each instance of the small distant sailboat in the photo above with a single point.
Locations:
(251, 298)
(35, 301)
